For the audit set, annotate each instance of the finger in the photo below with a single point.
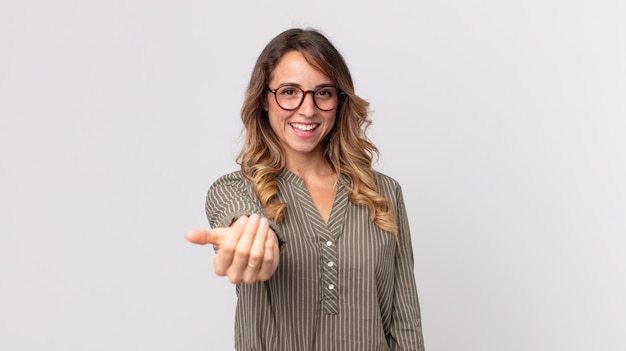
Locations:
(258, 246)
(255, 259)
(224, 256)
(271, 257)
(242, 252)
(234, 233)
(203, 236)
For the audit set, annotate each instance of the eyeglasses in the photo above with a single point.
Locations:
(290, 97)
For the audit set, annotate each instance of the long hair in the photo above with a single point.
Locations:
(347, 148)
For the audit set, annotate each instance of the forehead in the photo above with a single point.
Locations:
(295, 68)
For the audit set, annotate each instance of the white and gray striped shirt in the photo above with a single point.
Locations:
(342, 285)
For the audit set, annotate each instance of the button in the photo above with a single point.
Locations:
(330, 264)
(331, 286)
(329, 243)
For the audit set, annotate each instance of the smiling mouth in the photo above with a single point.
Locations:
(304, 128)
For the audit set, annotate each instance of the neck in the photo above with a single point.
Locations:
(310, 167)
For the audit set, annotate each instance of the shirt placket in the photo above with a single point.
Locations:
(330, 287)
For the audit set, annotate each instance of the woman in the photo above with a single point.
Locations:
(317, 242)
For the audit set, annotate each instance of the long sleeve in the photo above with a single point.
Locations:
(230, 197)
(406, 326)
(227, 199)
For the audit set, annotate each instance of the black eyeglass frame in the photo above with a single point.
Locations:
(304, 92)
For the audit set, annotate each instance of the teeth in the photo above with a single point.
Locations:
(304, 127)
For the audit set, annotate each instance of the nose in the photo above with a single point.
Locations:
(307, 108)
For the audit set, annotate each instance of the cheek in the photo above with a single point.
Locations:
(332, 119)
(276, 114)
(275, 119)
(273, 123)
(272, 108)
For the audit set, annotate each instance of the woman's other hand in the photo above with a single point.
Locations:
(247, 250)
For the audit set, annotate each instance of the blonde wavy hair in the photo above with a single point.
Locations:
(347, 148)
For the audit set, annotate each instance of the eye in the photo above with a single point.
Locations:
(326, 92)
(289, 91)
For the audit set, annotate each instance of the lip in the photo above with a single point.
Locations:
(304, 132)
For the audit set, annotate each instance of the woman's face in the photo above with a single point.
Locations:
(301, 130)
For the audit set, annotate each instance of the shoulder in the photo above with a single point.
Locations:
(386, 183)
(234, 181)
(230, 178)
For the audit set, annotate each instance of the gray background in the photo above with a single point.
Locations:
(503, 120)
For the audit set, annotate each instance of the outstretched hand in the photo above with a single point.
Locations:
(247, 250)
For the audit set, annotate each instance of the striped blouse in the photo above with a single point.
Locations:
(342, 285)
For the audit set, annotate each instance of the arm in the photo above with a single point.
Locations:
(248, 247)
(406, 325)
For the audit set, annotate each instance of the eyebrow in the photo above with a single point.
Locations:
(292, 84)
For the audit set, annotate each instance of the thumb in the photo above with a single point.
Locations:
(203, 236)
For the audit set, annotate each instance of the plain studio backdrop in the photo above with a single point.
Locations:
(504, 121)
